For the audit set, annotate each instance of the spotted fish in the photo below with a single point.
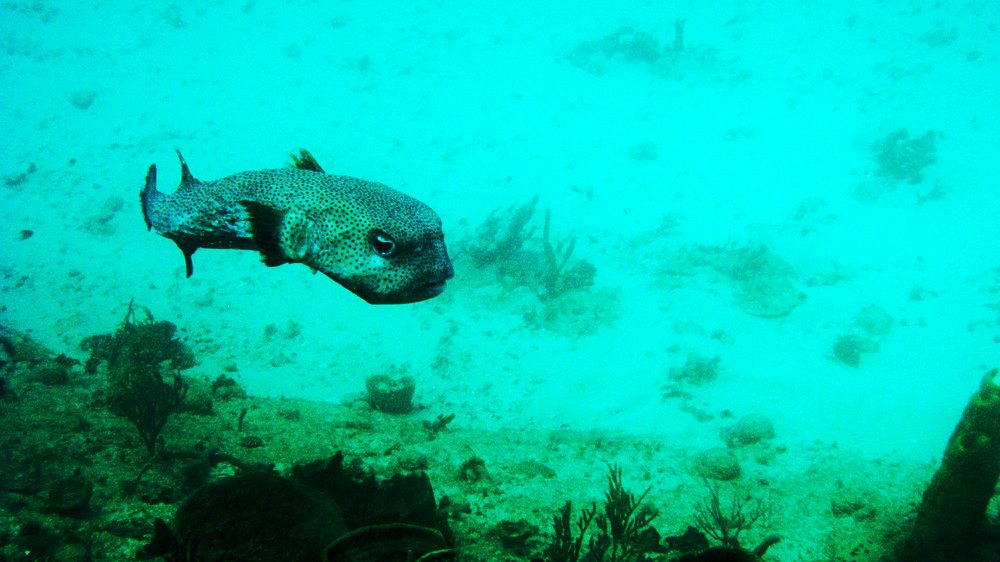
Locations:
(382, 245)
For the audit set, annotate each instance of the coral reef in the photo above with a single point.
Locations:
(76, 484)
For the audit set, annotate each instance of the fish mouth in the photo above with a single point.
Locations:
(428, 290)
(415, 293)
(409, 294)
(432, 288)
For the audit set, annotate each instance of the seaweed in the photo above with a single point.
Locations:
(144, 361)
(617, 530)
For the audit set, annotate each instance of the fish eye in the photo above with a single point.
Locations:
(383, 244)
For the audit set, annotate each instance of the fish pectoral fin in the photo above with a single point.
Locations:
(281, 236)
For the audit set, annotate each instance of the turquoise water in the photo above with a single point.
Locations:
(802, 194)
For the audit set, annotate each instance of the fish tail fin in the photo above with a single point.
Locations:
(148, 195)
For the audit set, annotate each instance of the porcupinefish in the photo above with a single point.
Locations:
(382, 245)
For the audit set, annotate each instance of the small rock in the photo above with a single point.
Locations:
(413, 460)
(50, 373)
(83, 99)
(849, 347)
(851, 503)
(515, 537)
(72, 552)
(874, 321)
(533, 469)
(70, 496)
(251, 442)
(226, 388)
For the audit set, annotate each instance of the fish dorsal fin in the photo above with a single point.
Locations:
(187, 179)
(306, 161)
(281, 236)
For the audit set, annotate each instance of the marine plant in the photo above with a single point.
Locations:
(613, 532)
(144, 361)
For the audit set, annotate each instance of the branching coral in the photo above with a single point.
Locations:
(508, 242)
(557, 278)
(618, 527)
(502, 234)
(144, 361)
(724, 523)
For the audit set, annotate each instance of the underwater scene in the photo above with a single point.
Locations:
(500, 281)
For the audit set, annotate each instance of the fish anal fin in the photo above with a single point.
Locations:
(187, 179)
(188, 251)
(305, 161)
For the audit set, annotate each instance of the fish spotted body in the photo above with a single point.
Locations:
(382, 245)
